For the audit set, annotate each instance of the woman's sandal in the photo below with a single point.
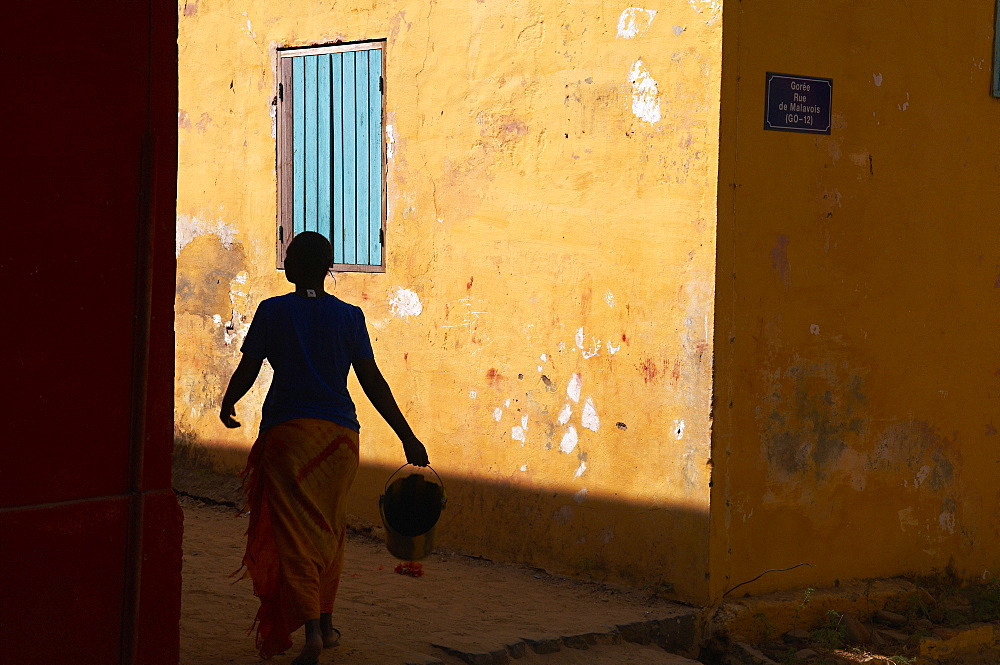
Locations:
(336, 641)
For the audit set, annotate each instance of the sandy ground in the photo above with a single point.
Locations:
(461, 603)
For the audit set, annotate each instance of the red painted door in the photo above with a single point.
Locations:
(89, 527)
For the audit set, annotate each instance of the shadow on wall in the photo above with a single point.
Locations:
(608, 539)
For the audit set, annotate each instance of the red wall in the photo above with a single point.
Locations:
(90, 530)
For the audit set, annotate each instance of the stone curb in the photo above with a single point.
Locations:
(676, 634)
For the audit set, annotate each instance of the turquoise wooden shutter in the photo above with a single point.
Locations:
(337, 152)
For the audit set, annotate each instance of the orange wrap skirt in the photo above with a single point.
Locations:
(296, 482)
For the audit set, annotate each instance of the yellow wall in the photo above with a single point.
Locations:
(551, 226)
(858, 356)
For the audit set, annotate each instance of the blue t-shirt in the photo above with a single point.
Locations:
(310, 343)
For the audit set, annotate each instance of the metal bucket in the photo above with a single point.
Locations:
(410, 507)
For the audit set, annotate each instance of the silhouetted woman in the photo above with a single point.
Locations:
(305, 458)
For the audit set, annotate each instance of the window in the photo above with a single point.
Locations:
(330, 157)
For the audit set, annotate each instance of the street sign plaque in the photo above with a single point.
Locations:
(797, 103)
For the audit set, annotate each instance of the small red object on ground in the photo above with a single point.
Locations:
(411, 568)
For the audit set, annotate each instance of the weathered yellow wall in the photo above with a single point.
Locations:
(858, 356)
(560, 245)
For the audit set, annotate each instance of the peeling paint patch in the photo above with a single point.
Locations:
(404, 303)
(814, 329)
(709, 7)
(518, 434)
(679, 429)
(580, 496)
(565, 414)
(204, 122)
(216, 283)
(877, 79)
(580, 470)
(524, 467)
(905, 105)
(236, 328)
(645, 93)
(612, 349)
(678, 29)
(833, 150)
(634, 21)
(609, 298)
(249, 28)
(862, 159)
(906, 520)
(589, 418)
(564, 515)
(916, 446)
(497, 414)
(833, 197)
(814, 413)
(579, 339)
(947, 521)
(390, 142)
(473, 394)
(190, 227)
(574, 387)
(569, 440)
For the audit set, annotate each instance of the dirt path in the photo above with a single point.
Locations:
(467, 605)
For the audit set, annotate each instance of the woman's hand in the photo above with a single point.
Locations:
(416, 454)
(228, 416)
(239, 384)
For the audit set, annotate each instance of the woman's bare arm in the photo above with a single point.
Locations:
(378, 392)
(240, 383)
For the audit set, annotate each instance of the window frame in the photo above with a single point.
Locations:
(284, 146)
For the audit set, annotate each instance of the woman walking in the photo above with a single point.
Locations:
(306, 455)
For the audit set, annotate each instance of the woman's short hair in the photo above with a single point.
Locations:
(312, 252)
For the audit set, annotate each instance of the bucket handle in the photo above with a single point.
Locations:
(429, 467)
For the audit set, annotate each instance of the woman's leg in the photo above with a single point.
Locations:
(328, 585)
(331, 636)
(313, 646)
